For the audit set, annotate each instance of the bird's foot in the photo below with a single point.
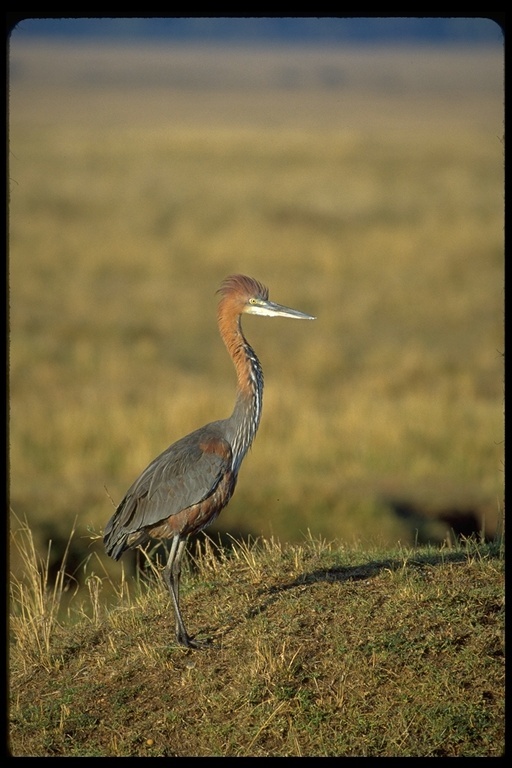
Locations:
(191, 642)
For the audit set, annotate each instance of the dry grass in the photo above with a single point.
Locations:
(378, 208)
(317, 651)
(36, 601)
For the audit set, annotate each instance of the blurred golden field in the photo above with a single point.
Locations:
(364, 187)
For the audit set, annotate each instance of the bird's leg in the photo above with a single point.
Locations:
(171, 574)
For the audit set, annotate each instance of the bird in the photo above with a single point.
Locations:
(185, 488)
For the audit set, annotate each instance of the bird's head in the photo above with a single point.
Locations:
(241, 294)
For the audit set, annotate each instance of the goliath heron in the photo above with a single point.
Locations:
(186, 487)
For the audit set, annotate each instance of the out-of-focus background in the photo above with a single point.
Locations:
(355, 166)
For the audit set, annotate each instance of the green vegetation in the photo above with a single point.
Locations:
(373, 200)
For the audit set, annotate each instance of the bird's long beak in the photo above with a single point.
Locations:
(270, 309)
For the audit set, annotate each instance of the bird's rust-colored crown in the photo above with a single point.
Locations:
(243, 287)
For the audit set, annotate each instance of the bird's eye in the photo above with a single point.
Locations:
(252, 301)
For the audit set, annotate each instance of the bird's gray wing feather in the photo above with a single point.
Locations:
(183, 475)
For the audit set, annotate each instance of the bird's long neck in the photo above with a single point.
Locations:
(245, 419)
